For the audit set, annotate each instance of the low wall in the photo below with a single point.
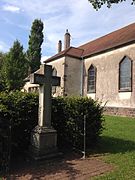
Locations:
(119, 111)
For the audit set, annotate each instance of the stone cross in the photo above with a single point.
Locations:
(44, 78)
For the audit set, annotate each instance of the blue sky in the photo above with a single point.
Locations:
(84, 23)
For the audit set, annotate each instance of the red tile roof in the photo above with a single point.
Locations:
(71, 51)
(113, 40)
(110, 41)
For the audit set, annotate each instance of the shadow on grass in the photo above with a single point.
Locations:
(114, 145)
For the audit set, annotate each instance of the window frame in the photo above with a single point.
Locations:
(131, 70)
(95, 77)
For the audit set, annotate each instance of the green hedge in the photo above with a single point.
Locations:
(67, 118)
(21, 111)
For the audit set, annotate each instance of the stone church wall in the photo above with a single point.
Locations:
(73, 76)
(107, 79)
(119, 111)
(70, 70)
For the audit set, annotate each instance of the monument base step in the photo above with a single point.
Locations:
(42, 154)
(47, 156)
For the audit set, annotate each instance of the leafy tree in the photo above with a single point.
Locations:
(15, 67)
(97, 4)
(35, 42)
(2, 56)
(1, 59)
(2, 71)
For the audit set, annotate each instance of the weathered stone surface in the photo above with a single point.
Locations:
(43, 136)
(120, 111)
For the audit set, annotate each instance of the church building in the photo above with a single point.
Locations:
(103, 69)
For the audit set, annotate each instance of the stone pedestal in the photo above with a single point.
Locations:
(43, 143)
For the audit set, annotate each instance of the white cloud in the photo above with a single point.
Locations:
(83, 22)
(11, 8)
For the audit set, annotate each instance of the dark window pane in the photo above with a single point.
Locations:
(125, 74)
(91, 79)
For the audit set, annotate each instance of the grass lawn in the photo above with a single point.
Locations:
(118, 148)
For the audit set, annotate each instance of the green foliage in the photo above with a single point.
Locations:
(16, 122)
(2, 71)
(4, 139)
(15, 67)
(68, 119)
(1, 59)
(97, 4)
(22, 110)
(35, 42)
(117, 147)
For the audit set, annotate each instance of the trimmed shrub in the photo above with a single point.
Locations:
(4, 140)
(21, 110)
(23, 114)
(68, 119)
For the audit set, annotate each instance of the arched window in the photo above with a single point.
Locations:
(91, 86)
(54, 73)
(125, 74)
